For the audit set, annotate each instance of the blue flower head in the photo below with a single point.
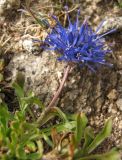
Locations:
(78, 44)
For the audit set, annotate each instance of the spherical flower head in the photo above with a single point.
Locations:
(78, 44)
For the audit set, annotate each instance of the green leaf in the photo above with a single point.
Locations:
(48, 141)
(19, 116)
(62, 127)
(88, 136)
(33, 156)
(71, 116)
(37, 155)
(14, 141)
(59, 113)
(20, 152)
(30, 100)
(81, 123)
(49, 113)
(19, 91)
(111, 155)
(15, 126)
(31, 146)
(4, 117)
(20, 79)
(40, 148)
(106, 131)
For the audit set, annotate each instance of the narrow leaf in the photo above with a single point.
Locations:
(106, 131)
(48, 141)
(20, 79)
(19, 91)
(111, 155)
(89, 136)
(81, 123)
(49, 113)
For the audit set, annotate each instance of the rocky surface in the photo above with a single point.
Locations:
(41, 78)
(98, 94)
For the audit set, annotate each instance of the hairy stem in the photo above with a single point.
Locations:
(53, 101)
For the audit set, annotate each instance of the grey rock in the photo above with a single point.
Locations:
(41, 73)
(113, 94)
(119, 104)
(83, 91)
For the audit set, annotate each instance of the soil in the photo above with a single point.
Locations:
(98, 94)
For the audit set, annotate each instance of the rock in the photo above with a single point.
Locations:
(120, 125)
(113, 94)
(41, 73)
(119, 104)
(27, 44)
(6, 5)
(119, 64)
